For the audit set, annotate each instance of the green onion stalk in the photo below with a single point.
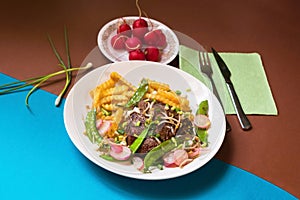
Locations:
(38, 81)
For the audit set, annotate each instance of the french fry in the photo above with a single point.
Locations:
(96, 94)
(112, 98)
(115, 90)
(162, 99)
(118, 78)
(157, 85)
(169, 95)
(118, 115)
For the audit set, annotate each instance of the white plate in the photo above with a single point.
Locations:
(78, 99)
(110, 29)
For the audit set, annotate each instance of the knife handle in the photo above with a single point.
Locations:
(244, 121)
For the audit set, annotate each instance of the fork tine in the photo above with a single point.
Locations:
(201, 59)
(205, 65)
(207, 58)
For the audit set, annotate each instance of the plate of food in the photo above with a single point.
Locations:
(144, 120)
(137, 38)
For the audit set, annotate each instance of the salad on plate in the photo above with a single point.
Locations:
(149, 126)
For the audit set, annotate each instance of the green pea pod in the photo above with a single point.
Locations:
(107, 157)
(139, 93)
(157, 153)
(139, 140)
(203, 136)
(203, 108)
(91, 129)
(202, 133)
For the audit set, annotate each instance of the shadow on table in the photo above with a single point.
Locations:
(201, 181)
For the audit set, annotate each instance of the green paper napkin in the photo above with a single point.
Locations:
(247, 75)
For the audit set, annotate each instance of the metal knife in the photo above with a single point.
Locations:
(244, 121)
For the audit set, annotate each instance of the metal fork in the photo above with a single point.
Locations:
(205, 67)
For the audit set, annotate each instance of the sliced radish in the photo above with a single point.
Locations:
(185, 162)
(98, 123)
(123, 155)
(104, 127)
(180, 155)
(194, 153)
(169, 160)
(117, 148)
(138, 162)
(202, 121)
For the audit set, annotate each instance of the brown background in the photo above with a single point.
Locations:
(271, 28)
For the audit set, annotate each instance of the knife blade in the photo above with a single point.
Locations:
(244, 121)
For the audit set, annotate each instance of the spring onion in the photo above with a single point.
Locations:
(39, 80)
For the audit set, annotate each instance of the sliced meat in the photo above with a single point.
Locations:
(136, 124)
(148, 144)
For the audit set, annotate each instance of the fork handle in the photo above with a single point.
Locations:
(244, 121)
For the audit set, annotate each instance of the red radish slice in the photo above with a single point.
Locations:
(169, 160)
(104, 127)
(185, 162)
(194, 153)
(123, 155)
(202, 121)
(98, 123)
(180, 155)
(138, 163)
(117, 148)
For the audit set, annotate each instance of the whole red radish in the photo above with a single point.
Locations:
(133, 43)
(140, 28)
(118, 41)
(152, 54)
(136, 55)
(124, 29)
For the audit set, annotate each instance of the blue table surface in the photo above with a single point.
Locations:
(39, 161)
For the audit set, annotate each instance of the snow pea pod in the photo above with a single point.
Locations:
(203, 108)
(203, 136)
(158, 152)
(139, 140)
(90, 127)
(202, 133)
(139, 93)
